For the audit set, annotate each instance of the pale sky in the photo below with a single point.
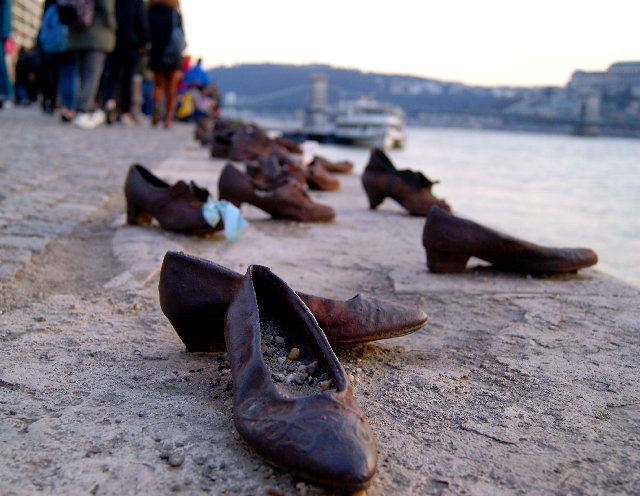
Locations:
(480, 42)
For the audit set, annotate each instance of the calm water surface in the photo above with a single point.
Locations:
(550, 189)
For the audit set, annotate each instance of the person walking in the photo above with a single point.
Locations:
(131, 40)
(52, 39)
(91, 46)
(6, 87)
(163, 16)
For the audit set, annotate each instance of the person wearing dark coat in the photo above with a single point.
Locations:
(131, 40)
(91, 46)
(161, 16)
(6, 86)
(48, 73)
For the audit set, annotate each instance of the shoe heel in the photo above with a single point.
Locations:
(137, 216)
(375, 197)
(199, 331)
(442, 261)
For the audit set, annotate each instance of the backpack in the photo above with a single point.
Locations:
(53, 36)
(77, 14)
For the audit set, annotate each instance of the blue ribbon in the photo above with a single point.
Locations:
(233, 222)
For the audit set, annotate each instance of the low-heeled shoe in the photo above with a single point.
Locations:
(195, 295)
(176, 207)
(410, 189)
(285, 201)
(450, 241)
(323, 437)
(319, 178)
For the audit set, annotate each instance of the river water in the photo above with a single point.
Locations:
(553, 190)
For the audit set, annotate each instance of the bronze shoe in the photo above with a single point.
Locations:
(203, 131)
(319, 178)
(410, 189)
(223, 131)
(249, 143)
(323, 436)
(288, 144)
(450, 241)
(176, 208)
(195, 295)
(285, 201)
(272, 171)
(341, 167)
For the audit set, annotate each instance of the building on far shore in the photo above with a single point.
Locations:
(25, 21)
(619, 77)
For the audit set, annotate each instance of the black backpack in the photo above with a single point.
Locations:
(77, 14)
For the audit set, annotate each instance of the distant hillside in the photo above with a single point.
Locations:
(282, 87)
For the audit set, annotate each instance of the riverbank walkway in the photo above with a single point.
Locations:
(516, 385)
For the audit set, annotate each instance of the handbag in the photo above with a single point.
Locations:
(172, 56)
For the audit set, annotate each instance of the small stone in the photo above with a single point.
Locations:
(294, 354)
(312, 368)
(295, 379)
(278, 377)
(351, 378)
(302, 488)
(176, 459)
(40, 319)
(325, 384)
(279, 340)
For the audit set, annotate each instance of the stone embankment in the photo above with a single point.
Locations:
(516, 385)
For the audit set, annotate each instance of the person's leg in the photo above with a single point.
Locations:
(110, 79)
(6, 88)
(129, 61)
(157, 96)
(90, 66)
(172, 93)
(67, 85)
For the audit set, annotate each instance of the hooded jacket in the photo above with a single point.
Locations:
(101, 35)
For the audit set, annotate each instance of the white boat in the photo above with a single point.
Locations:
(367, 122)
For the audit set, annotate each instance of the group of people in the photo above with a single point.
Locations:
(116, 68)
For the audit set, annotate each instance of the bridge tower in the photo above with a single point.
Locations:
(589, 123)
(316, 112)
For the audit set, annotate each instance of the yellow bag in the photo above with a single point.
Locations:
(186, 107)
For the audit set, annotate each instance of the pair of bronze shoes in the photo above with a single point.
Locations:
(323, 436)
(176, 207)
(241, 141)
(271, 170)
(411, 189)
(450, 241)
(281, 196)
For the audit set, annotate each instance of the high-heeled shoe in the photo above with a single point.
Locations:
(195, 294)
(410, 189)
(176, 207)
(284, 201)
(450, 241)
(323, 437)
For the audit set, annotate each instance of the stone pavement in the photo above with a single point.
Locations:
(54, 176)
(516, 385)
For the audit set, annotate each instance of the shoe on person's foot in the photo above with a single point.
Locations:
(98, 118)
(83, 120)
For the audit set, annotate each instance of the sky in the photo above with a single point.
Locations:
(477, 42)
